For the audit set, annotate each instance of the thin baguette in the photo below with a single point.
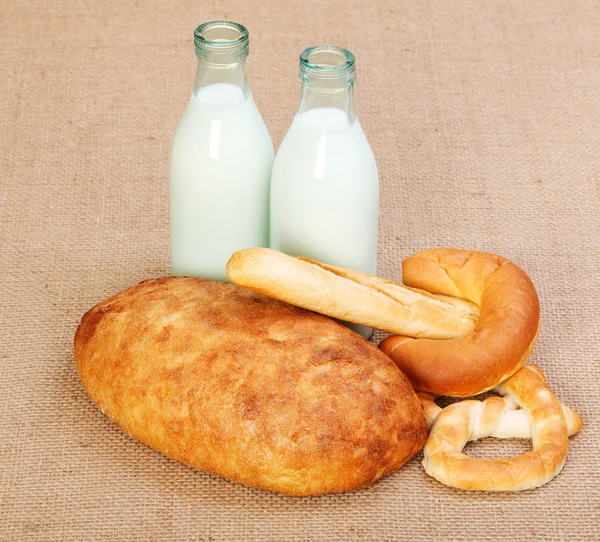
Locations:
(352, 296)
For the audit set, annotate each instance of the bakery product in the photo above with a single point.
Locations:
(498, 417)
(461, 422)
(352, 296)
(246, 387)
(484, 307)
(504, 335)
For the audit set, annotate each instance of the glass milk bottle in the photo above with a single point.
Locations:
(325, 186)
(221, 160)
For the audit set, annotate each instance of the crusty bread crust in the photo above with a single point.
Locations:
(246, 387)
(501, 342)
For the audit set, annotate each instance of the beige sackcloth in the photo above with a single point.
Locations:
(485, 121)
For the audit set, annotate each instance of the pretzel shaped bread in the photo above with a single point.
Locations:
(503, 337)
(452, 427)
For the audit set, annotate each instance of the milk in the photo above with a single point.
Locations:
(220, 169)
(325, 192)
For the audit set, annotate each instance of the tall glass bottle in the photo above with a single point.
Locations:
(221, 160)
(324, 186)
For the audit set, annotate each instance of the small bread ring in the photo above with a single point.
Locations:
(498, 417)
(458, 423)
(503, 337)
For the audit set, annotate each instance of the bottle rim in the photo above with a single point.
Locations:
(221, 36)
(327, 58)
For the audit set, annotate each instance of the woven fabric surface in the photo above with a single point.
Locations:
(484, 118)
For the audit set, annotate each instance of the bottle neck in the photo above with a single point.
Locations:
(337, 94)
(221, 49)
(327, 73)
(210, 73)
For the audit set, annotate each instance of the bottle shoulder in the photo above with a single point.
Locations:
(242, 114)
(347, 148)
(205, 124)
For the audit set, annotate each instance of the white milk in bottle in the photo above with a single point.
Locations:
(221, 160)
(324, 186)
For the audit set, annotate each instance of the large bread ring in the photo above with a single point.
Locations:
(456, 425)
(503, 337)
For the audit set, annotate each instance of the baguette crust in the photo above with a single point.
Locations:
(246, 387)
(501, 342)
(352, 296)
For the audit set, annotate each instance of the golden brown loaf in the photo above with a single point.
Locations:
(501, 342)
(350, 295)
(246, 387)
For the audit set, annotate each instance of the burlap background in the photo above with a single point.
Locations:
(485, 120)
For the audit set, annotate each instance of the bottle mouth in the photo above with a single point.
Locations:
(327, 61)
(221, 37)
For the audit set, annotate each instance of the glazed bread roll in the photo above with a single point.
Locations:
(246, 387)
(352, 296)
(501, 342)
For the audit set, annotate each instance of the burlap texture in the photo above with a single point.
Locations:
(485, 121)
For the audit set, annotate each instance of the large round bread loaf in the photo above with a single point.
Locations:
(247, 387)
